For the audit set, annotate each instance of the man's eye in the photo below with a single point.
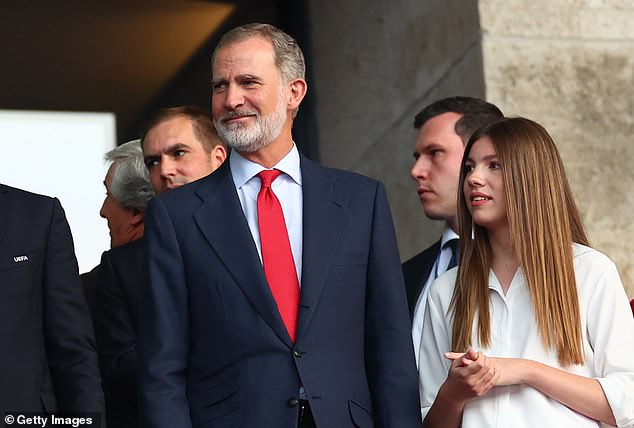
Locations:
(151, 163)
(179, 153)
(217, 87)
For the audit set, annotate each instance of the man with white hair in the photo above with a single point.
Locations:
(128, 190)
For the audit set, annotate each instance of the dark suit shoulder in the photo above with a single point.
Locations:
(26, 218)
(422, 257)
(311, 167)
(125, 251)
(416, 270)
(25, 195)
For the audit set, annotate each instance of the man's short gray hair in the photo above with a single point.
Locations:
(130, 183)
(288, 55)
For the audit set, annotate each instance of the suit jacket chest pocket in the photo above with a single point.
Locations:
(19, 260)
(19, 271)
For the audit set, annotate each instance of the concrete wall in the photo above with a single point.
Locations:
(569, 64)
(376, 65)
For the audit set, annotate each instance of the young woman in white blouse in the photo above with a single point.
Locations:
(538, 321)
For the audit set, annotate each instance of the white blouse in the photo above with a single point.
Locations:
(608, 345)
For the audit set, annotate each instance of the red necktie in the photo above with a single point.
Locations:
(277, 258)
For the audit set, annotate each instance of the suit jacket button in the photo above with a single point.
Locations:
(297, 353)
(292, 402)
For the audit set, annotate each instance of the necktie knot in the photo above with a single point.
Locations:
(267, 177)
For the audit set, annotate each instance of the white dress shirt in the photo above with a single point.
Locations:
(288, 189)
(440, 266)
(608, 346)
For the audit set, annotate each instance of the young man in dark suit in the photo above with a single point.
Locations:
(274, 296)
(444, 127)
(48, 361)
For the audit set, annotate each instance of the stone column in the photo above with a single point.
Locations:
(568, 64)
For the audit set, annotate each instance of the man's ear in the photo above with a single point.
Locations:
(218, 155)
(137, 218)
(298, 89)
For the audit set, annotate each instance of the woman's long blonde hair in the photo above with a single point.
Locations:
(543, 224)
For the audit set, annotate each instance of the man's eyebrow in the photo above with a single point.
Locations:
(148, 158)
(177, 146)
(247, 77)
(220, 80)
(169, 149)
(432, 146)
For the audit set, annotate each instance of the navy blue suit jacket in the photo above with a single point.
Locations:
(213, 349)
(116, 314)
(48, 361)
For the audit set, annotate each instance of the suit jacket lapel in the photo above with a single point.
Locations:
(323, 216)
(221, 220)
(6, 206)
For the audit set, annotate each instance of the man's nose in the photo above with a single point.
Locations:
(234, 97)
(102, 211)
(167, 168)
(419, 169)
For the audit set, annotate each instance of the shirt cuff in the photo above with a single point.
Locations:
(617, 391)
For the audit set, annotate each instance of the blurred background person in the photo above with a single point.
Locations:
(48, 362)
(179, 145)
(128, 191)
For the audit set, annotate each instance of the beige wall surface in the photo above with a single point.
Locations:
(569, 64)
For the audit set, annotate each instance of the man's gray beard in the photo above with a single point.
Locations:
(252, 138)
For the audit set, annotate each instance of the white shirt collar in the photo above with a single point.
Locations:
(244, 170)
(447, 235)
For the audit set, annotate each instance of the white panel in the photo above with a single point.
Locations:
(61, 154)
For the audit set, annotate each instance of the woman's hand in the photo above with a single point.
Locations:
(471, 375)
(579, 393)
(508, 371)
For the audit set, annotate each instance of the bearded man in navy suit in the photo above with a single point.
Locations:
(48, 361)
(218, 347)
